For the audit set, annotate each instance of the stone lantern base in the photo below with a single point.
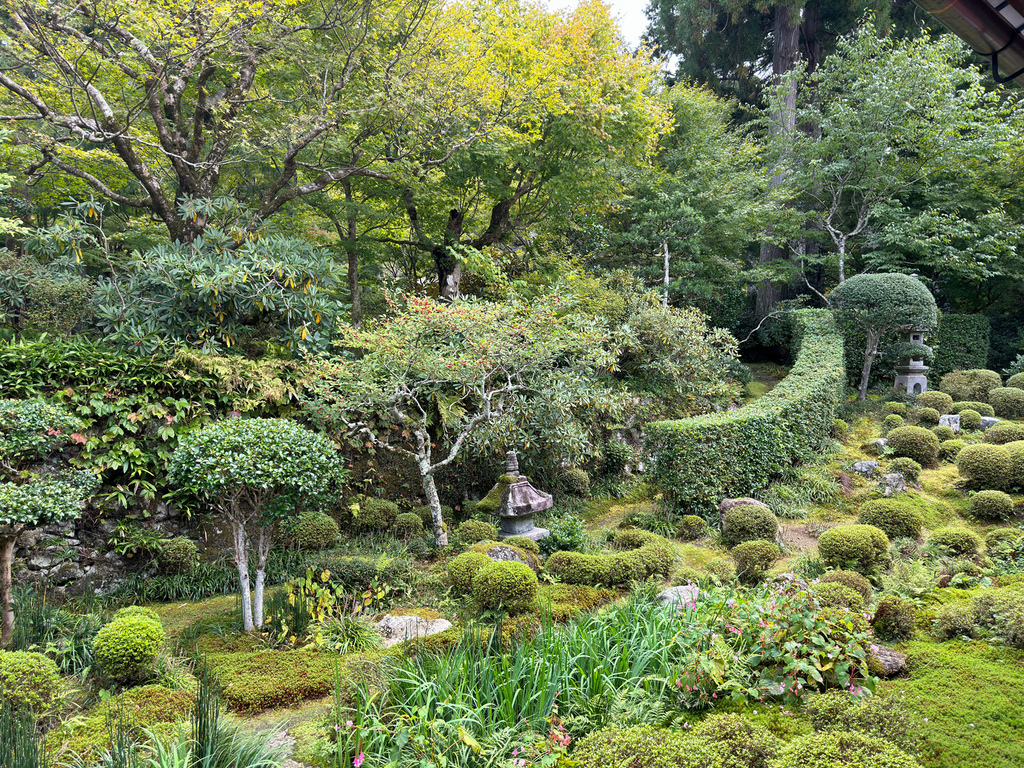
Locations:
(911, 381)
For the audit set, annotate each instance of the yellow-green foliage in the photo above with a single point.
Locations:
(523, 543)
(950, 449)
(143, 709)
(973, 384)
(576, 482)
(896, 518)
(508, 585)
(29, 681)
(900, 409)
(253, 682)
(936, 400)
(992, 505)
(850, 579)
(861, 548)
(1016, 452)
(368, 513)
(955, 619)
(563, 602)
(891, 422)
(578, 568)
(959, 542)
(734, 740)
(748, 522)
(490, 548)
(985, 466)
(722, 571)
(1005, 431)
(894, 619)
(928, 416)
(915, 443)
(126, 648)
(691, 527)
(462, 570)
(754, 558)
(970, 420)
(832, 594)
(642, 746)
(178, 555)
(982, 409)
(1008, 402)
(838, 748)
(490, 503)
(943, 433)
(634, 538)
(408, 525)
(314, 530)
(477, 530)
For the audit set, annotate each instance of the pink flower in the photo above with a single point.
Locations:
(359, 760)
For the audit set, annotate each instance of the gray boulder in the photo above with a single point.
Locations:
(682, 595)
(893, 662)
(893, 482)
(988, 421)
(866, 468)
(396, 629)
(877, 446)
(951, 420)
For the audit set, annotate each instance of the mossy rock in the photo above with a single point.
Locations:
(502, 551)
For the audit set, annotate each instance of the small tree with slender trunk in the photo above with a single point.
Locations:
(30, 431)
(881, 303)
(423, 380)
(256, 472)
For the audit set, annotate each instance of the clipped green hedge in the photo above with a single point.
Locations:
(701, 460)
(961, 343)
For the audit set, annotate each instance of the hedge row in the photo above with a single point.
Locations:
(698, 461)
(960, 344)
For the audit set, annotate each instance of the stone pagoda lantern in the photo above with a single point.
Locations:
(520, 501)
(911, 372)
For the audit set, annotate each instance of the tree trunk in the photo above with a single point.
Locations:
(430, 489)
(263, 545)
(242, 563)
(869, 357)
(664, 299)
(353, 257)
(785, 54)
(449, 267)
(7, 542)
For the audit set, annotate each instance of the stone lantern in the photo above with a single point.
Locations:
(911, 372)
(520, 501)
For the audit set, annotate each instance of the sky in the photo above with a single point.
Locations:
(630, 13)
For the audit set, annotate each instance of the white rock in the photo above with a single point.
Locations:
(395, 629)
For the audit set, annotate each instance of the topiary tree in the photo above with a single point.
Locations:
(897, 518)
(30, 431)
(985, 466)
(749, 522)
(850, 579)
(462, 570)
(970, 420)
(992, 505)
(126, 648)
(959, 542)
(880, 303)
(860, 548)
(508, 585)
(1007, 402)
(936, 400)
(983, 409)
(178, 555)
(256, 472)
(29, 681)
(894, 619)
(754, 558)
(927, 416)
(970, 385)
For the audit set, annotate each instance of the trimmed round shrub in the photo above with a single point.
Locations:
(970, 420)
(477, 530)
(1004, 432)
(373, 514)
(126, 648)
(836, 595)
(983, 409)
(894, 619)
(935, 400)
(626, 567)
(577, 568)
(894, 516)
(522, 542)
(315, 530)
(1000, 612)
(928, 416)
(831, 749)
(658, 558)
(950, 449)
(754, 558)
(634, 538)
(462, 570)
(985, 466)
(840, 429)
(860, 548)
(974, 384)
(29, 681)
(737, 741)
(136, 610)
(992, 505)
(642, 746)
(408, 525)
(915, 443)
(1016, 452)
(1008, 402)
(178, 555)
(1017, 380)
(686, 575)
(954, 620)
(900, 409)
(943, 433)
(959, 542)
(508, 585)
(850, 579)
(576, 482)
(722, 571)
(749, 522)
(891, 422)
(909, 468)
(691, 527)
